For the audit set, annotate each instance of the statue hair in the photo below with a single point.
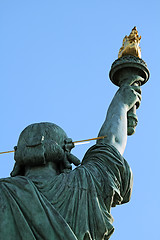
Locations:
(38, 144)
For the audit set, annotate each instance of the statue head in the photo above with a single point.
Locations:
(36, 133)
(40, 143)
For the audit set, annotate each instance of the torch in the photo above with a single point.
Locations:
(130, 69)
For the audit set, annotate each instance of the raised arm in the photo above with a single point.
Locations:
(115, 124)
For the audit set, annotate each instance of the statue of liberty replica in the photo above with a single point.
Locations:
(44, 199)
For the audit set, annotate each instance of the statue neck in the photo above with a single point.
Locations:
(49, 170)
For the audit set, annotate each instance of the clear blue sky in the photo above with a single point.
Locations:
(55, 59)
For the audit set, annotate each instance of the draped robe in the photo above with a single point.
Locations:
(71, 206)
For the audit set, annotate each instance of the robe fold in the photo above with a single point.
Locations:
(71, 206)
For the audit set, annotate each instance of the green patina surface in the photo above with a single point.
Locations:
(45, 199)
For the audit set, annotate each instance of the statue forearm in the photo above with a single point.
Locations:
(115, 125)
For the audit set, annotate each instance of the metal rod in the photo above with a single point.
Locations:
(7, 152)
(80, 141)
(90, 139)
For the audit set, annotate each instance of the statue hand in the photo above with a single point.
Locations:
(129, 95)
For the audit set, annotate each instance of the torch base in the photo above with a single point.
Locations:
(128, 65)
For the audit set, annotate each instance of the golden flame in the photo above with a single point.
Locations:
(130, 45)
